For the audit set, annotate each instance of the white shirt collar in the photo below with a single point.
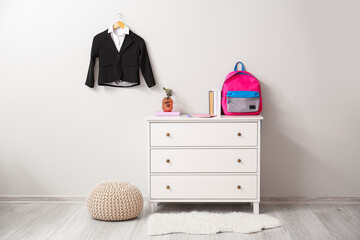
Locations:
(122, 31)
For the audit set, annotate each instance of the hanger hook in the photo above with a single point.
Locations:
(120, 17)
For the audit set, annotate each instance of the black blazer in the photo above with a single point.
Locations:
(124, 65)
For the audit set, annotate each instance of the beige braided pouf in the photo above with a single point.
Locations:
(114, 201)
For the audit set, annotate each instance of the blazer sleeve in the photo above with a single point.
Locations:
(90, 79)
(145, 65)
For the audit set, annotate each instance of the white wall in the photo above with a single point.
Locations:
(59, 137)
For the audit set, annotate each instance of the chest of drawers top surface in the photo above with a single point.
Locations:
(185, 118)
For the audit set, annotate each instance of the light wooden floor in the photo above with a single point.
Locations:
(67, 221)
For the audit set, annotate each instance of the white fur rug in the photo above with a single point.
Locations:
(209, 223)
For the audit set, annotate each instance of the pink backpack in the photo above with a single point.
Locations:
(241, 93)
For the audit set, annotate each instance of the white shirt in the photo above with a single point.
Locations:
(118, 36)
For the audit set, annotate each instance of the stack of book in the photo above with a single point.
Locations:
(162, 113)
(215, 103)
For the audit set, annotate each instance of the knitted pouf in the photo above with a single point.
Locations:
(114, 201)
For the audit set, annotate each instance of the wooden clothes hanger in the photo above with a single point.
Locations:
(119, 23)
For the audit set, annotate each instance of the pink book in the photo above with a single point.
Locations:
(162, 113)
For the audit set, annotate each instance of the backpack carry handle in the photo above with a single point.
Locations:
(242, 66)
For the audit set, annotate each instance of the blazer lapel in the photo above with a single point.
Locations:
(109, 41)
(127, 42)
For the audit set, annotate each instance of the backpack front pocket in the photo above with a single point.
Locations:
(242, 101)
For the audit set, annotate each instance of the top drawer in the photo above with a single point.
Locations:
(203, 134)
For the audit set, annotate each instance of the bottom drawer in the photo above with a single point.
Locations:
(203, 187)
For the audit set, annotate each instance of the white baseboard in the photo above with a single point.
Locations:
(299, 200)
(42, 199)
(82, 199)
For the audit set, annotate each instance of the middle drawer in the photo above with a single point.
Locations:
(203, 160)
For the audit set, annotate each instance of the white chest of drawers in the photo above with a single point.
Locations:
(204, 159)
